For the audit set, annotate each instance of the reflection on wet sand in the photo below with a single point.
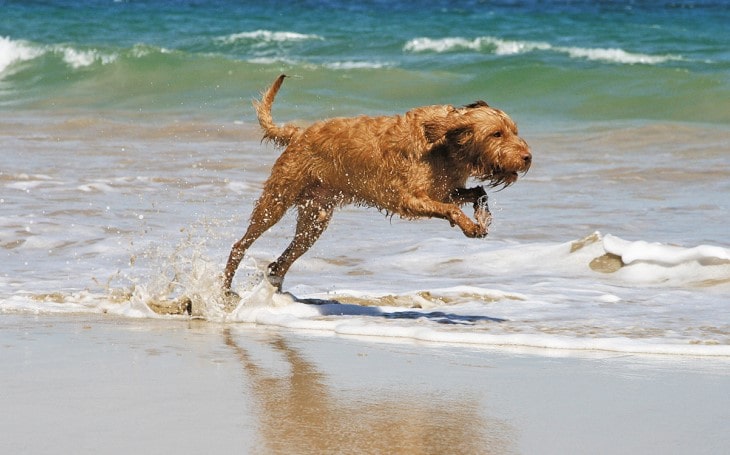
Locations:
(301, 413)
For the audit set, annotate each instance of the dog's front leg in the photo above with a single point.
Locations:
(478, 197)
(422, 206)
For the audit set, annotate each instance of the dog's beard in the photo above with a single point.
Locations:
(495, 175)
(497, 167)
(498, 177)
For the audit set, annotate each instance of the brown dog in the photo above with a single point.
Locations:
(415, 165)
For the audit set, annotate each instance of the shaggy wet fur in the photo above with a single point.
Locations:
(415, 165)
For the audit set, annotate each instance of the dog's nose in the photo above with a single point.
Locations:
(527, 158)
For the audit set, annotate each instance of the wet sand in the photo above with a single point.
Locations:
(99, 384)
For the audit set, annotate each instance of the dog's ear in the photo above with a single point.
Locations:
(434, 130)
(459, 135)
(454, 132)
(478, 103)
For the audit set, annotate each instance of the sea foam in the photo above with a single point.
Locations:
(500, 46)
(15, 51)
(642, 251)
(455, 44)
(267, 36)
(76, 58)
(549, 313)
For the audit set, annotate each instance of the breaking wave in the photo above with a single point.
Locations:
(266, 36)
(500, 46)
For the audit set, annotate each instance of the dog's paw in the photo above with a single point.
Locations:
(476, 231)
(482, 215)
(229, 294)
(275, 281)
(231, 299)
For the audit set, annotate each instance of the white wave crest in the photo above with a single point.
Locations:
(15, 51)
(666, 255)
(508, 47)
(267, 36)
(512, 47)
(616, 56)
(441, 45)
(355, 65)
(76, 58)
(455, 44)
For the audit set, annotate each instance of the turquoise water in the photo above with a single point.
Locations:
(539, 60)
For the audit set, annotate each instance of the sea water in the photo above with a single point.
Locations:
(130, 160)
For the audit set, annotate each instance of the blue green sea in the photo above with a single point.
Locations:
(130, 158)
(663, 60)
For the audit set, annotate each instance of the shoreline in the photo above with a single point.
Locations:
(93, 383)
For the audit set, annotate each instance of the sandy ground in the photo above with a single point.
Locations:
(99, 384)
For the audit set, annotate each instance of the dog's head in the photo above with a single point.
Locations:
(484, 139)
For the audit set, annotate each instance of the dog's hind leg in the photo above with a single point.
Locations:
(266, 213)
(314, 215)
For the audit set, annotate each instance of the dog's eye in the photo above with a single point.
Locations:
(497, 134)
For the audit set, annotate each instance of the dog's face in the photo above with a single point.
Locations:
(486, 139)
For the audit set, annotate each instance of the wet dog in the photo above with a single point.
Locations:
(415, 165)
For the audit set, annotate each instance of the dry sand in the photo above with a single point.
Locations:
(99, 384)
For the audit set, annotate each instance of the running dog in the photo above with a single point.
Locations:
(415, 165)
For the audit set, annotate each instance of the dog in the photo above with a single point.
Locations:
(414, 165)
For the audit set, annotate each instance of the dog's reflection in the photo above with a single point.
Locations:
(301, 414)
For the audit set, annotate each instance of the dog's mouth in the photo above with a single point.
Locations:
(499, 177)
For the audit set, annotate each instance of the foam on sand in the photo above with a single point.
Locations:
(625, 310)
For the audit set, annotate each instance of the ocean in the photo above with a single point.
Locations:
(131, 158)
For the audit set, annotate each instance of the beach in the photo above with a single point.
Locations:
(151, 386)
(593, 318)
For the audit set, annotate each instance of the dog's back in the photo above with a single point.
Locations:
(403, 133)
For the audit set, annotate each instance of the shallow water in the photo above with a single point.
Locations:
(131, 160)
(104, 215)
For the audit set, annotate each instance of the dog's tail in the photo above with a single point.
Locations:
(279, 135)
